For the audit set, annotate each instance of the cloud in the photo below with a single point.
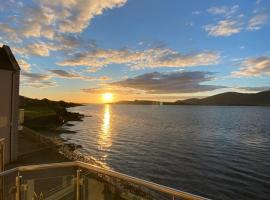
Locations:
(232, 22)
(70, 41)
(223, 28)
(196, 12)
(65, 74)
(78, 14)
(258, 1)
(223, 10)
(255, 89)
(36, 80)
(41, 84)
(57, 22)
(24, 65)
(174, 82)
(112, 89)
(9, 33)
(46, 17)
(37, 49)
(40, 27)
(104, 78)
(35, 76)
(149, 58)
(33, 21)
(256, 22)
(254, 67)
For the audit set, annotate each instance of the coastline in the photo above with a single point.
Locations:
(61, 146)
(49, 136)
(44, 121)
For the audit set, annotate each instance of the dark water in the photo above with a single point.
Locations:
(216, 152)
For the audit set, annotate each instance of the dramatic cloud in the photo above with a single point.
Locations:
(77, 15)
(175, 82)
(256, 22)
(65, 74)
(224, 28)
(46, 17)
(254, 67)
(150, 58)
(54, 25)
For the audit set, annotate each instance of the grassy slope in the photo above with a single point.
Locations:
(46, 115)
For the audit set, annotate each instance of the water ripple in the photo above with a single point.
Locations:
(217, 152)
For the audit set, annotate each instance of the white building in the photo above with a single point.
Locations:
(9, 102)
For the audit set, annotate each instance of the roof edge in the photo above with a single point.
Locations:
(11, 57)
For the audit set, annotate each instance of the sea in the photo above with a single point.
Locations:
(219, 152)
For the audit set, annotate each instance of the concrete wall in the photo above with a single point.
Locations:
(9, 83)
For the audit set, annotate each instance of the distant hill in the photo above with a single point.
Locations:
(139, 102)
(223, 99)
(233, 98)
(26, 102)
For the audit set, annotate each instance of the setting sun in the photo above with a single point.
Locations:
(107, 97)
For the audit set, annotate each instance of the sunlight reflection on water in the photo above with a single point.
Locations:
(104, 138)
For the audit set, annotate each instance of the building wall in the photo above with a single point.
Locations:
(15, 116)
(9, 112)
(5, 114)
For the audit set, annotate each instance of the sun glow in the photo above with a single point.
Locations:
(107, 97)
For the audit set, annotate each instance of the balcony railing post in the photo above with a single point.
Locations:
(78, 184)
(18, 187)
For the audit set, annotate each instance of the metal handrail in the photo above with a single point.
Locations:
(131, 179)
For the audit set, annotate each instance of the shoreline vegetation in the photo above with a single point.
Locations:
(45, 120)
(48, 118)
(223, 99)
(47, 115)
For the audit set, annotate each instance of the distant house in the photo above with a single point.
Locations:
(9, 102)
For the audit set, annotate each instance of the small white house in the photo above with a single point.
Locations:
(9, 102)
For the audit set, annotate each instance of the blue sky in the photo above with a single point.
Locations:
(138, 49)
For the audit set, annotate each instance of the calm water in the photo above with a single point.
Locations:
(217, 152)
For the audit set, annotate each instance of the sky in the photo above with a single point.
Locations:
(166, 50)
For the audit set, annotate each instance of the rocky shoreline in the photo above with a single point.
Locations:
(53, 140)
(45, 120)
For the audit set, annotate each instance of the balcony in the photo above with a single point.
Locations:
(80, 181)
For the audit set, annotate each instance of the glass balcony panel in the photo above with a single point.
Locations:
(97, 186)
(80, 181)
(55, 188)
(8, 186)
(53, 184)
